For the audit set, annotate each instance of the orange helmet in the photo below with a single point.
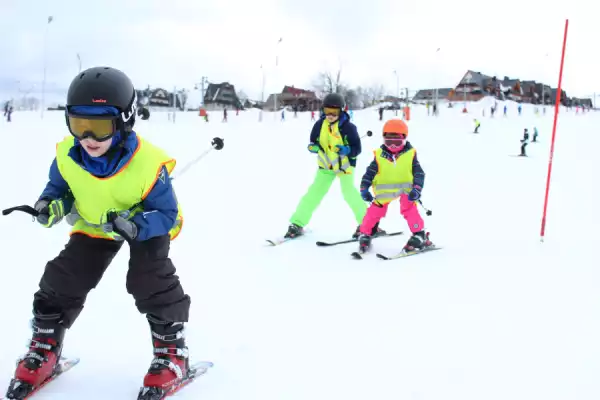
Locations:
(396, 126)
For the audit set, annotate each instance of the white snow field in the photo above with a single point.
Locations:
(495, 315)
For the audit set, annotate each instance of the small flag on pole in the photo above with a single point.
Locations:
(50, 19)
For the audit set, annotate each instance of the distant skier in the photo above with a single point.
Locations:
(381, 113)
(312, 115)
(224, 114)
(520, 109)
(282, 115)
(505, 110)
(535, 134)
(524, 142)
(394, 173)
(9, 113)
(477, 125)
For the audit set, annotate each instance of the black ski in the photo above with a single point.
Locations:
(357, 255)
(325, 244)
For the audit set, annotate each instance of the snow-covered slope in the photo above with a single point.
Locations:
(495, 315)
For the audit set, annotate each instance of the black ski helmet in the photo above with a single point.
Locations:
(105, 86)
(334, 100)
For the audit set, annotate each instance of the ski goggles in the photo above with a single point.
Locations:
(394, 140)
(331, 112)
(98, 127)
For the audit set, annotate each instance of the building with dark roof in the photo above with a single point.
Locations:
(221, 95)
(296, 98)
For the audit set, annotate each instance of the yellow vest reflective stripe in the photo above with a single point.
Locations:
(393, 177)
(327, 157)
(123, 191)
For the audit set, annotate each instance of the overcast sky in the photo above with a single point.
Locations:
(170, 43)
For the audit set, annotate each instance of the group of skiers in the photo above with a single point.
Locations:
(113, 186)
(394, 173)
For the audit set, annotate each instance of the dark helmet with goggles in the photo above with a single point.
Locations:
(101, 101)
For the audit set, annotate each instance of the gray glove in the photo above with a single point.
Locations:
(117, 224)
(51, 212)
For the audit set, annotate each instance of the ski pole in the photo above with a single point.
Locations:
(428, 212)
(216, 144)
(24, 208)
(369, 133)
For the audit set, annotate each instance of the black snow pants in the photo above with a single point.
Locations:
(523, 145)
(78, 268)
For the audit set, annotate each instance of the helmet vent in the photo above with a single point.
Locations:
(98, 75)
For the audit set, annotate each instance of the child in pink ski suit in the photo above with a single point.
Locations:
(394, 173)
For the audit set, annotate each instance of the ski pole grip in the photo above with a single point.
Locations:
(24, 208)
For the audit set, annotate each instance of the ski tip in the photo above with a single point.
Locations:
(356, 255)
(73, 360)
(322, 244)
(202, 365)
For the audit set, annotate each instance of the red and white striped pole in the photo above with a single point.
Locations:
(556, 109)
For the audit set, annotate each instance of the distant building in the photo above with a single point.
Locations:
(477, 85)
(472, 86)
(295, 98)
(221, 95)
(429, 94)
(159, 98)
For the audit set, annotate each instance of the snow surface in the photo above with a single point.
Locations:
(496, 315)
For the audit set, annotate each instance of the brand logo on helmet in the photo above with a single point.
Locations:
(98, 101)
(131, 112)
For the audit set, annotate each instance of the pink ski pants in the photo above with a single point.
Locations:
(408, 209)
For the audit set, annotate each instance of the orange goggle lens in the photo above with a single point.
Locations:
(98, 129)
(334, 112)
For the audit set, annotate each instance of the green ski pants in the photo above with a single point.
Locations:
(317, 191)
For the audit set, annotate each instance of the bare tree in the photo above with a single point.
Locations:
(328, 82)
(372, 94)
(242, 96)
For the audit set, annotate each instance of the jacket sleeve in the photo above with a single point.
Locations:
(316, 131)
(160, 209)
(418, 173)
(353, 139)
(367, 178)
(57, 188)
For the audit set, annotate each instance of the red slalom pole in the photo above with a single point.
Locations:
(556, 109)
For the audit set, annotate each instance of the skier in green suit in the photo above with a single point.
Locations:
(335, 141)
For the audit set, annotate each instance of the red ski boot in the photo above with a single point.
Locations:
(40, 363)
(171, 363)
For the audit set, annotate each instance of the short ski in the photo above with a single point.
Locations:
(357, 255)
(283, 239)
(323, 244)
(409, 253)
(20, 391)
(195, 371)
(278, 241)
